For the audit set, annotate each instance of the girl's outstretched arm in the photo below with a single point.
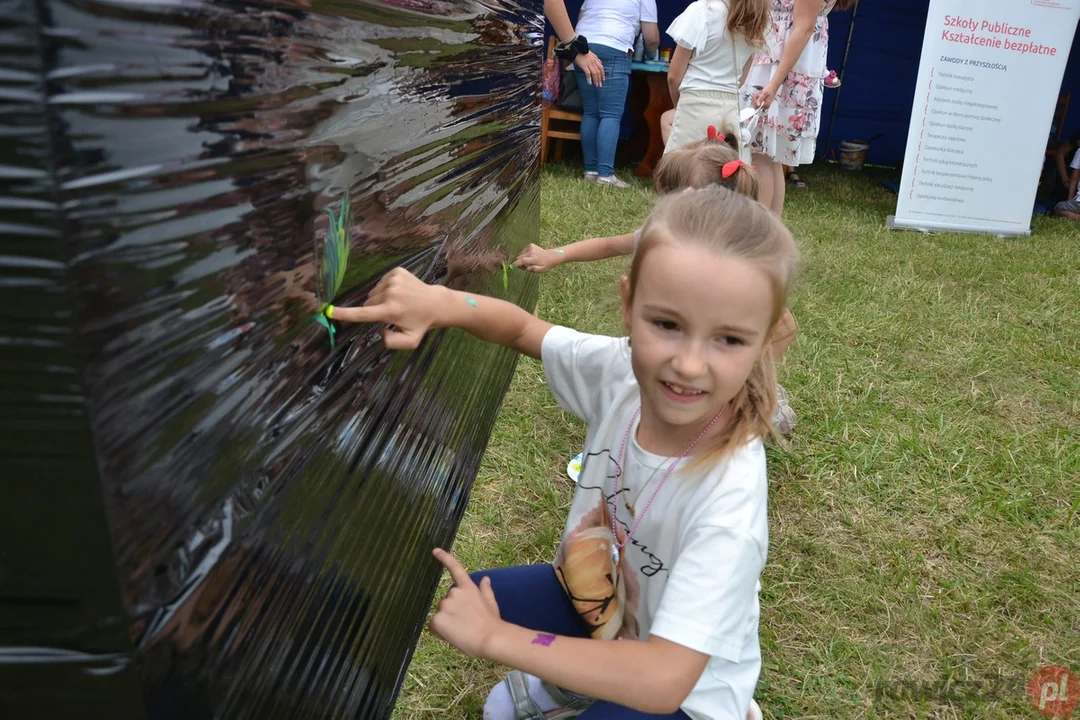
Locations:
(536, 259)
(651, 676)
(413, 307)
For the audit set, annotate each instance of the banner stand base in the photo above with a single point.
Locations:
(892, 223)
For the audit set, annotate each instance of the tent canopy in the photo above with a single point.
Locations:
(876, 47)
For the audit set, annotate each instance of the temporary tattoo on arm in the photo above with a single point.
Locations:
(544, 639)
(560, 252)
(470, 301)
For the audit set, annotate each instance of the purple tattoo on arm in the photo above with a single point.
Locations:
(543, 639)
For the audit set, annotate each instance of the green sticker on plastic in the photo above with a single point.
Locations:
(333, 260)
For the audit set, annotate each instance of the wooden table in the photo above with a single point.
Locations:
(659, 102)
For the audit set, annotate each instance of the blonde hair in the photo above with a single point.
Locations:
(733, 225)
(749, 18)
(701, 163)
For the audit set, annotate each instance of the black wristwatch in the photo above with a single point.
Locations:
(569, 50)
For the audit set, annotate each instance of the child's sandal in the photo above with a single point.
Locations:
(784, 417)
(525, 708)
(568, 700)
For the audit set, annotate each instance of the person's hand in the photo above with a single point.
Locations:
(538, 260)
(468, 617)
(592, 67)
(402, 300)
(308, 301)
(764, 98)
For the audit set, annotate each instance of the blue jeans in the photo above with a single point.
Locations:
(531, 596)
(602, 109)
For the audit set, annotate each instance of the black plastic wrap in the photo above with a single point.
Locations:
(207, 511)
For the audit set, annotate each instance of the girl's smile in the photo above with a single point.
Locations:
(681, 393)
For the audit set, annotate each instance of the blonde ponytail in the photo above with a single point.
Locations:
(702, 163)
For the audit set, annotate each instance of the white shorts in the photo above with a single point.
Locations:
(697, 110)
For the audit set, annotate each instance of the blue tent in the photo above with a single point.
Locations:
(876, 48)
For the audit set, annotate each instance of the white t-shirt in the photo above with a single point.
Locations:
(614, 23)
(714, 64)
(691, 571)
(1075, 165)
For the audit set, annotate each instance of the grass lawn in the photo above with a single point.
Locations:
(925, 518)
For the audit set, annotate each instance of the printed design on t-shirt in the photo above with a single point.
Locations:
(605, 599)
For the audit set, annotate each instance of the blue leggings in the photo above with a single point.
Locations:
(531, 596)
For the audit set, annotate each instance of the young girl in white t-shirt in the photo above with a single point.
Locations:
(715, 41)
(667, 533)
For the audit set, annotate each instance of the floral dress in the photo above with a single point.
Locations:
(788, 133)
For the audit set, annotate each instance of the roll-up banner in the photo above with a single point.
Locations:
(988, 86)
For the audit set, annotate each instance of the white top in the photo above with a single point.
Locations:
(1075, 165)
(691, 571)
(715, 64)
(614, 23)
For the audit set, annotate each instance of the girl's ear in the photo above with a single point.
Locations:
(624, 290)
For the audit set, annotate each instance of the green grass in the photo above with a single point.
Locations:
(925, 518)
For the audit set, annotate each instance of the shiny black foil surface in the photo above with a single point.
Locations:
(207, 511)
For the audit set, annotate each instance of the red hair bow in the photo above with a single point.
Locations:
(730, 167)
(713, 135)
